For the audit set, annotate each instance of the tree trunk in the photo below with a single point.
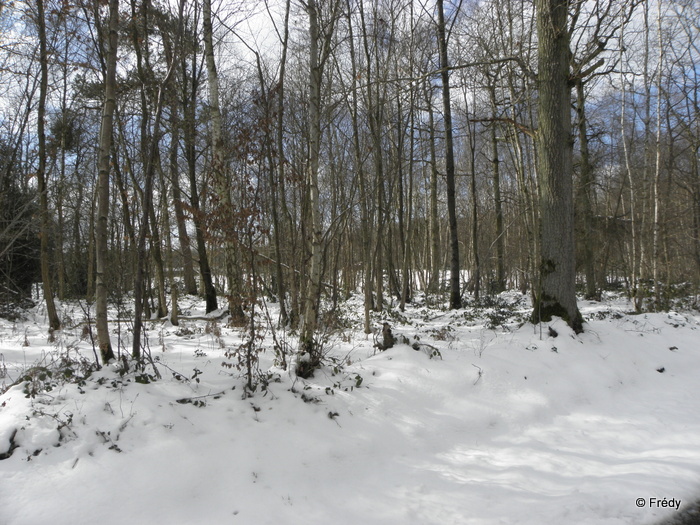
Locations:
(406, 228)
(54, 321)
(168, 237)
(526, 196)
(365, 229)
(476, 276)
(634, 265)
(91, 270)
(77, 259)
(184, 238)
(310, 318)
(656, 232)
(277, 176)
(151, 159)
(157, 255)
(696, 218)
(221, 181)
(557, 290)
(455, 292)
(189, 101)
(586, 185)
(320, 36)
(105, 150)
(287, 224)
(60, 217)
(434, 222)
(497, 199)
(375, 117)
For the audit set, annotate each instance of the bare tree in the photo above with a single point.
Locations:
(105, 148)
(152, 158)
(218, 165)
(556, 294)
(320, 40)
(455, 291)
(190, 82)
(54, 321)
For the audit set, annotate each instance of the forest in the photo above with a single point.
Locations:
(305, 151)
(389, 262)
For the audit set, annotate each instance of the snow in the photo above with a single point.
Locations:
(511, 424)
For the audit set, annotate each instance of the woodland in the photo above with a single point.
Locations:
(387, 262)
(305, 151)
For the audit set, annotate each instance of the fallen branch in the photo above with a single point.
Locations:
(159, 319)
(429, 350)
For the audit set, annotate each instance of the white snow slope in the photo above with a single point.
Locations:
(511, 425)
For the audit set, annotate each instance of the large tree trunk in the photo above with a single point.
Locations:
(105, 150)
(556, 295)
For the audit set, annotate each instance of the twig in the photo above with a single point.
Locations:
(481, 373)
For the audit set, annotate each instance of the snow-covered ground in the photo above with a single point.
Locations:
(488, 422)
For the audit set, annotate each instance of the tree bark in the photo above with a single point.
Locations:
(434, 221)
(189, 101)
(150, 149)
(635, 260)
(500, 284)
(310, 318)
(105, 150)
(47, 286)
(221, 181)
(656, 231)
(557, 289)
(365, 220)
(184, 238)
(455, 292)
(277, 179)
(586, 185)
(174, 310)
(475, 278)
(319, 50)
